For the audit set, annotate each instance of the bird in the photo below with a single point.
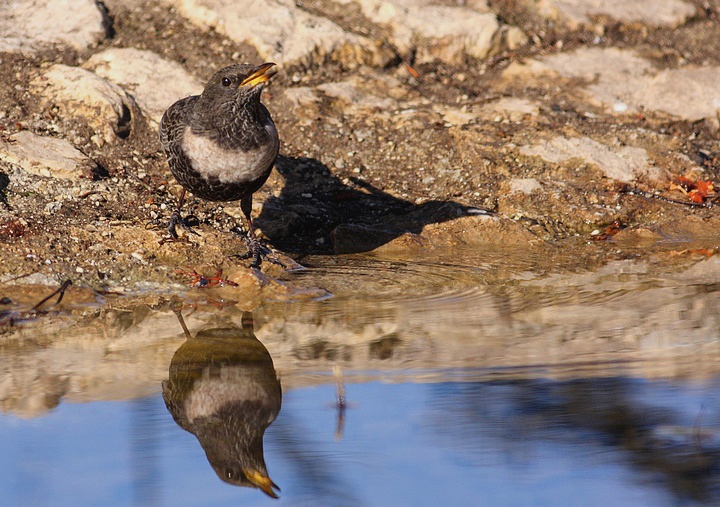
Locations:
(222, 145)
(222, 387)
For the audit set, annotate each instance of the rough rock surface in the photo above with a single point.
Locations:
(29, 26)
(45, 156)
(282, 32)
(304, 35)
(402, 135)
(621, 163)
(624, 82)
(432, 31)
(81, 94)
(668, 12)
(154, 82)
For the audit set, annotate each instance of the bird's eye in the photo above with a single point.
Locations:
(226, 81)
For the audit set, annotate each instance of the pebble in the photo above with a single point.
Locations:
(524, 185)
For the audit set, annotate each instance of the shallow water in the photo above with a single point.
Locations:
(492, 381)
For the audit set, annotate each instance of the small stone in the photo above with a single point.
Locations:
(513, 109)
(620, 107)
(457, 117)
(524, 185)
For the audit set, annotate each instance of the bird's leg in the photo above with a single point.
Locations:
(176, 219)
(256, 250)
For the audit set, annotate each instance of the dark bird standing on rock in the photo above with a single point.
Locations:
(222, 145)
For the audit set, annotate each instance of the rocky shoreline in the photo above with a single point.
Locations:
(406, 125)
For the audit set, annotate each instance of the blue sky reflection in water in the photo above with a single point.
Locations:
(611, 441)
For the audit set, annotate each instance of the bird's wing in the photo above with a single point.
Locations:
(172, 125)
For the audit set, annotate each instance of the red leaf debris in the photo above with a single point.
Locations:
(610, 231)
(412, 71)
(707, 252)
(697, 191)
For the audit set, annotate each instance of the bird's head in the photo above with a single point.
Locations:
(250, 476)
(238, 83)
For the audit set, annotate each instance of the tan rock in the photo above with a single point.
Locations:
(624, 83)
(154, 83)
(622, 163)
(45, 156)
(523, 185)
(670, 13)
(284, 33)
(506, 109)
(432, 225)
(435, 31)
(85, 96)
(30, 25)
(511, 109)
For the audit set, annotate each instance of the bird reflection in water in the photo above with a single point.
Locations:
(223, 389)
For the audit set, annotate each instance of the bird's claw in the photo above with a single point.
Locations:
(255, 250)
(176, 220)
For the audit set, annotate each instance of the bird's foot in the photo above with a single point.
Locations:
(176, 220)
(256, 250)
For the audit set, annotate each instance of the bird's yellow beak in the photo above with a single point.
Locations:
(261, 481)
(260, 75)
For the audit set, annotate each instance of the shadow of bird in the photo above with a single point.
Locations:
(349, 216)
(223, 389)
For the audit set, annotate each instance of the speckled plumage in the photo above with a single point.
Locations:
(222, 145)
(231, 118)
(223, 388)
